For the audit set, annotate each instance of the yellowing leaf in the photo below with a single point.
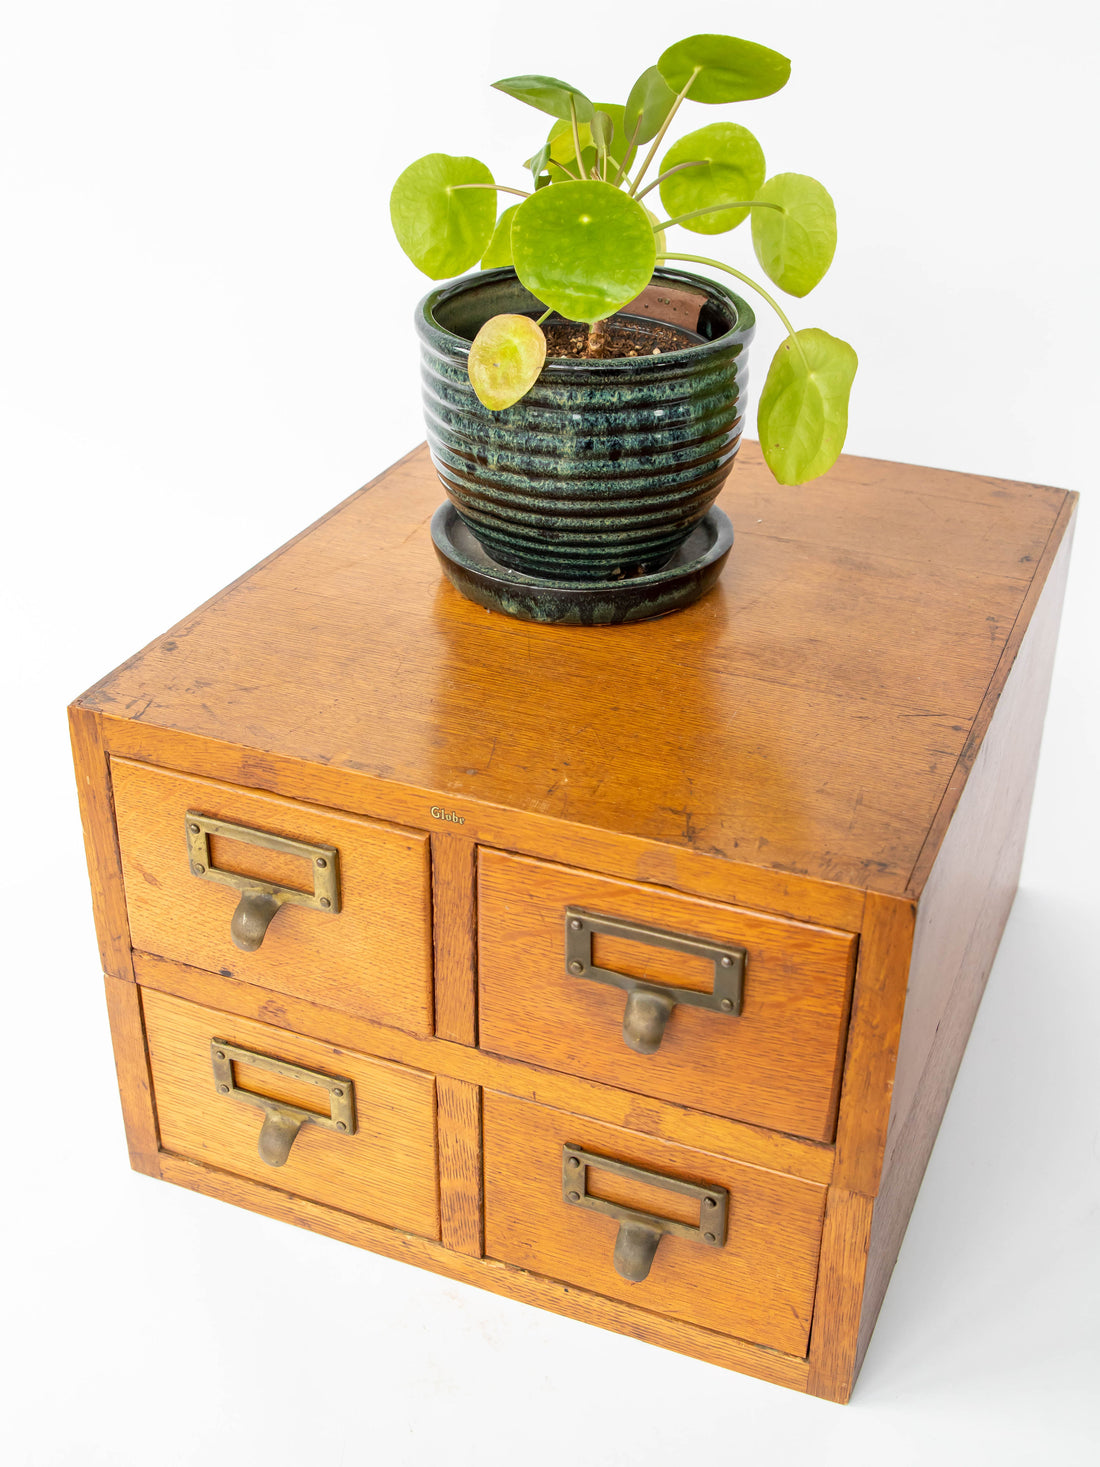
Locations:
(506, 357)
(803, 415)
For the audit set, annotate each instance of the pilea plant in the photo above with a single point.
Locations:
(585, 244)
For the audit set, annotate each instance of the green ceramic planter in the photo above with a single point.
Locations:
(605, 467)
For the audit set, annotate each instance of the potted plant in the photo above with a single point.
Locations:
(584, 393)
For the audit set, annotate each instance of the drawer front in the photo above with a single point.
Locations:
(758, 1284)
(227, 1088)
(368, 952)
(776, 1063)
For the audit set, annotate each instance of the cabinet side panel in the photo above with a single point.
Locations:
(93, 783)
(874, 1033)
(961, 916)
(840, 1282)
(135, 1085)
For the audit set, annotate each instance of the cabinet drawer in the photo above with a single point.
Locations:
(225, 1087)
(368, 952)
(775, 1064)
(758, 1284)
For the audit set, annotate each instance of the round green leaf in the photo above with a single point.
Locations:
(648, 106)
(499, 249)
(723, 69)
(803, 415)
(506, 357)
(548, 94)
(732, 167)
(584, 249)
(443, 229)
(794, 247)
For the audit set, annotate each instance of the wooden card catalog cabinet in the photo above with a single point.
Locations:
(624, 971)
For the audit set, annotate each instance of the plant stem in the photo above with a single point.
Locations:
(776, 307)
(501, 188)
(649, 157)
(628, 156)
(576, 135)
(548, 312)
(718, 209)
(695, 163)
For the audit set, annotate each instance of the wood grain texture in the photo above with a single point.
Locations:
(93, 783)
(1052, 566)
(962, 914)
(854, 681)
(498, 1278)
(458, 1109)
(874, 1033)
(751, 1144)
(454, 934)
(135, 1085)
(776, 1065)
(759, 1287)
(385, 1171)
(941, 518)
(359, 793)
(967, 897)
(373, 957)
(839, 1293)
(842, 734)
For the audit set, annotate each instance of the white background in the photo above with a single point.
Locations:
(206, 341)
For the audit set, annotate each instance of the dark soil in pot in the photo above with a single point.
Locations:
(608, 463)
(623, 336)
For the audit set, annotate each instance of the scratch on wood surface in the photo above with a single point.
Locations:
(417, 528)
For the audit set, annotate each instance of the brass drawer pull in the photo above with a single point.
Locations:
(260, 900)
(649, 1005)
(283, 1121)
(640, 1232)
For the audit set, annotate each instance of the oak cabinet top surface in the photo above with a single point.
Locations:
(811, 715)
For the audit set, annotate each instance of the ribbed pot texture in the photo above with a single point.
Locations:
(605, 467)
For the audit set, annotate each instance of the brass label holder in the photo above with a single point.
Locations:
(649, 1005)
(283, 1121)
(640, 1232)
(261, 900)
